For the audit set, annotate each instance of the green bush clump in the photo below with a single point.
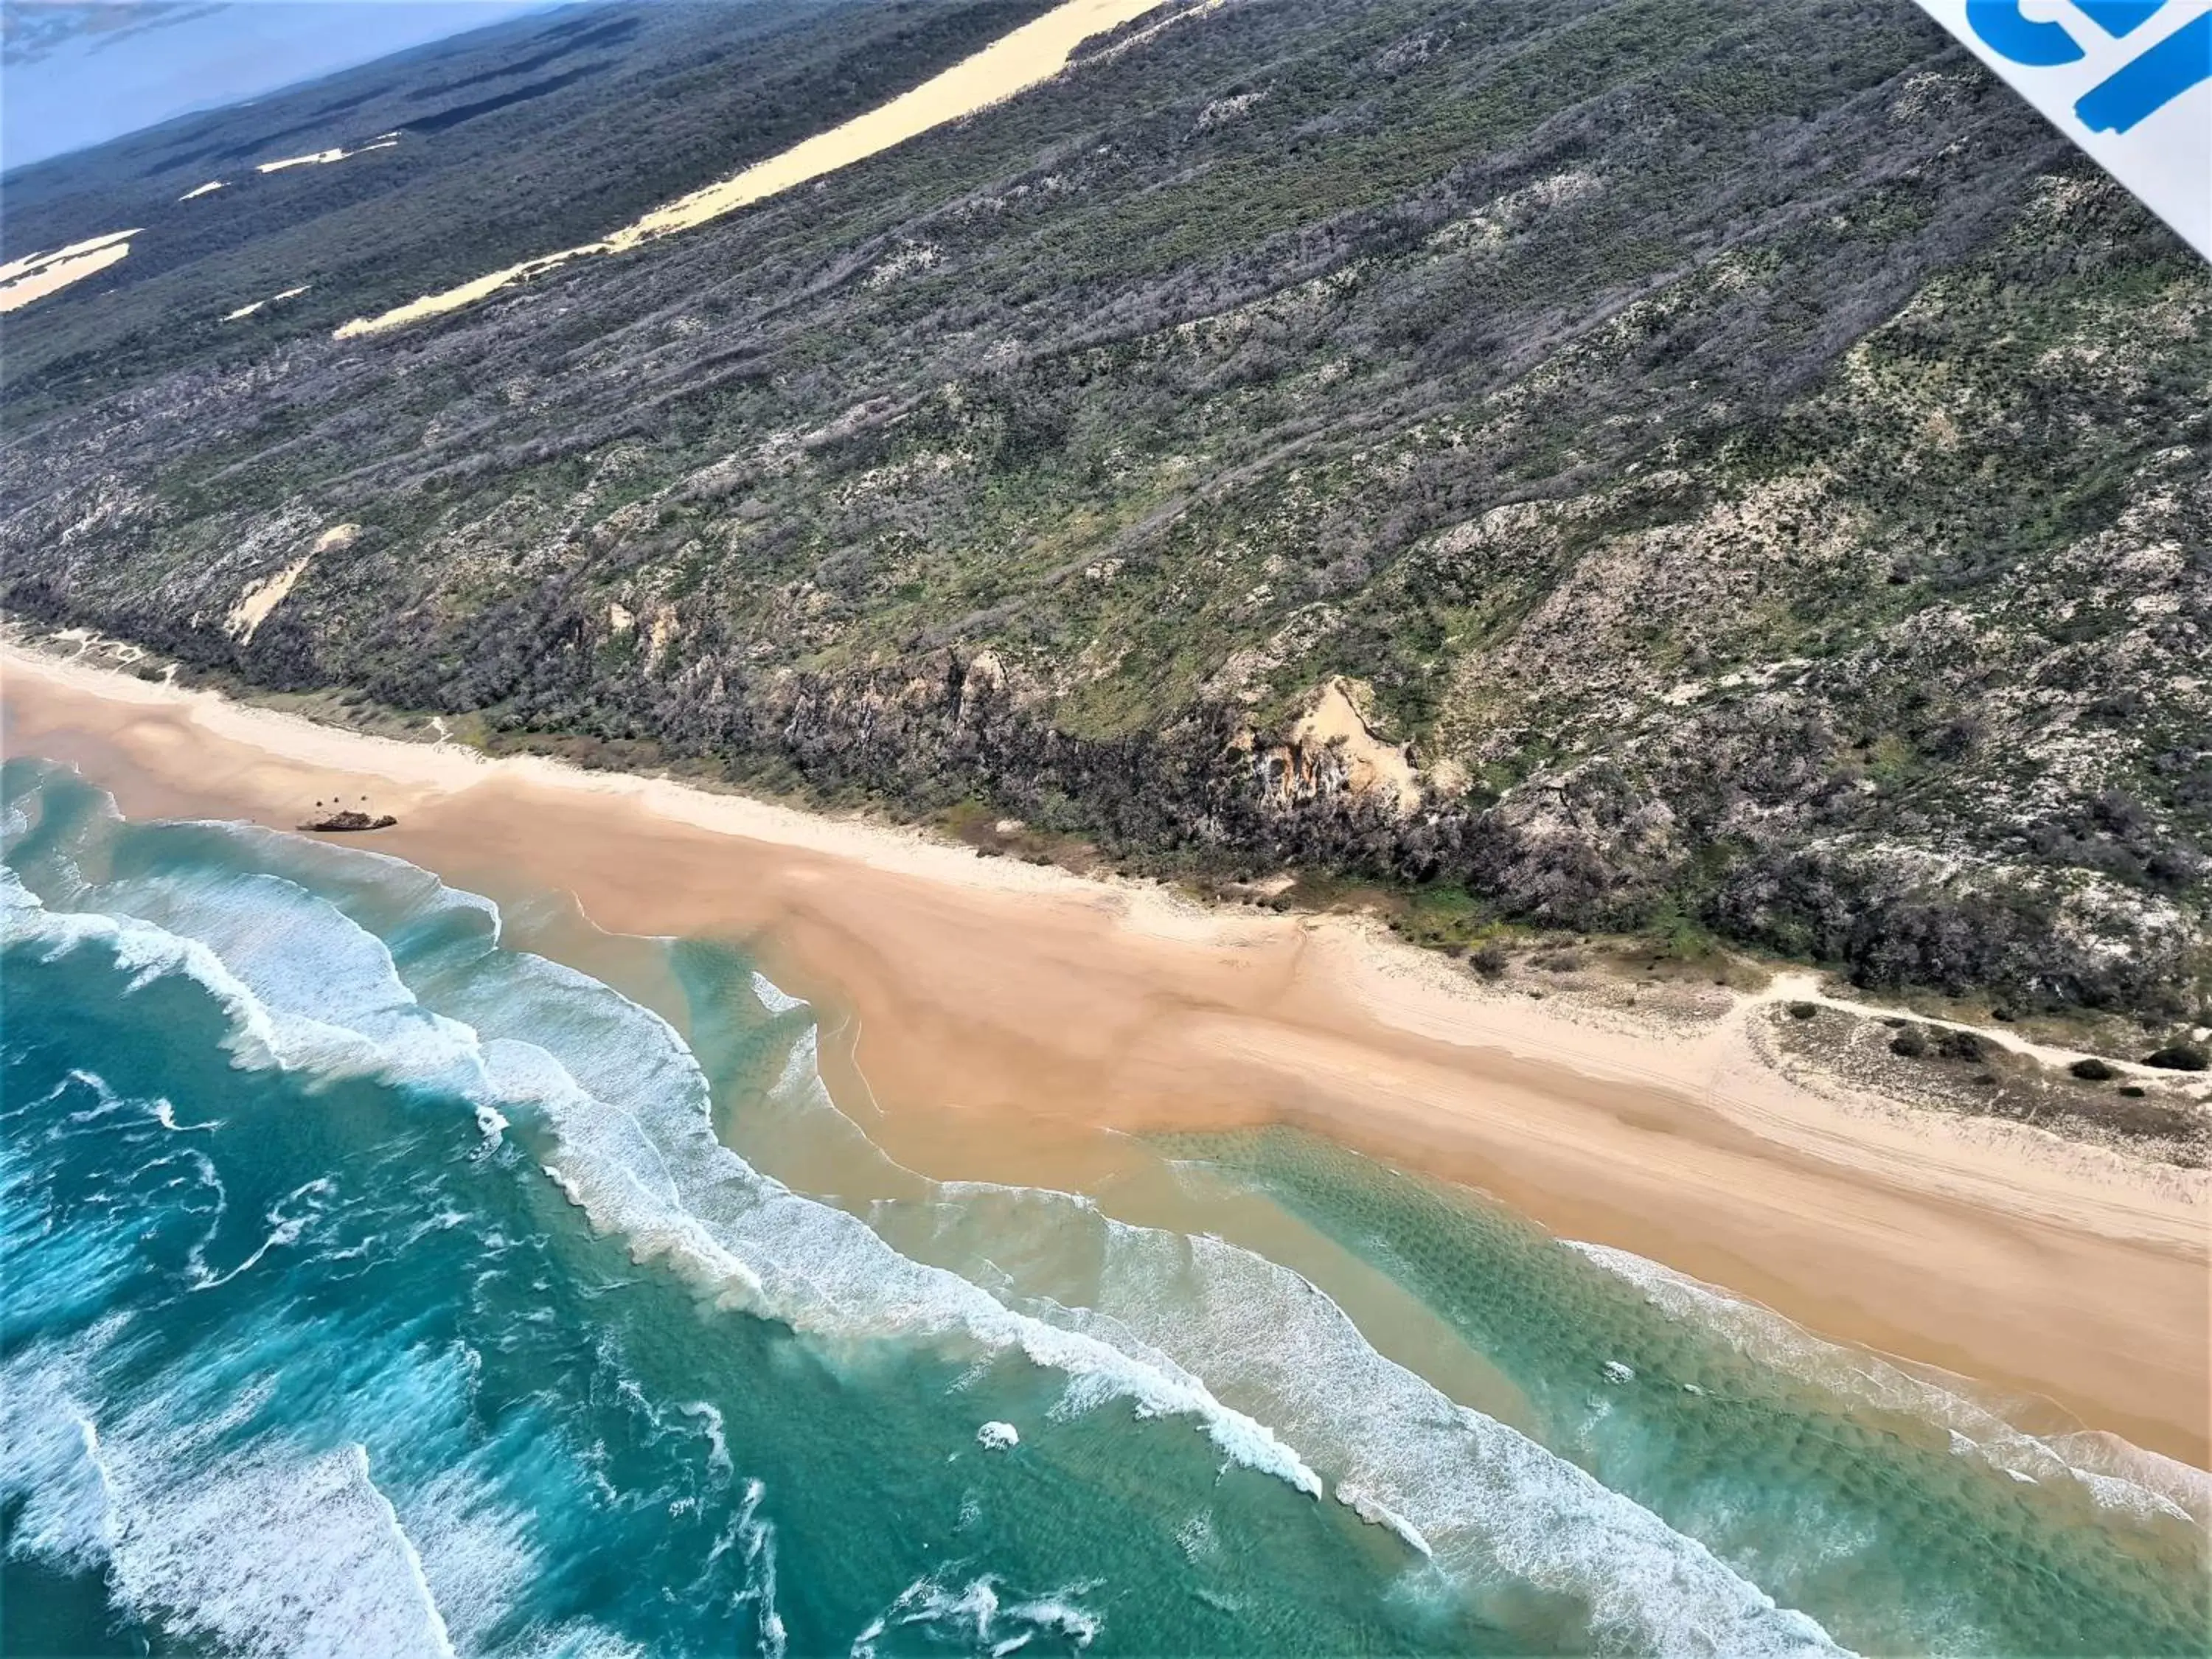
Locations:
(2178, 1057)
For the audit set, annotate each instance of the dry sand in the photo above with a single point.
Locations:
(37, 275)
(1371, 765)
(323, 158)
(1004, 1014)
(251, 307)
(1035, 52)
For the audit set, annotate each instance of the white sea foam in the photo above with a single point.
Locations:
(371, 888)
(709, 1418)
(998, 1437)
(1379, 1514)
(407, 1551)
(756, 1538)
(2108, 1471)
(273, 1554)
(773, 997)
(978, 1617)
(211, 1520)
(1198, 1540)
(164, 1114)
(638, 1153)
(305, 985)
(277, 1022)
(289, 1218)
(50, 1461)
(1477, 1497)
(262, 1551)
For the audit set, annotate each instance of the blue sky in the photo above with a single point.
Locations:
(77, 74)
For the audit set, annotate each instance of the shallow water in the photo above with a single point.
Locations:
(387, 1272)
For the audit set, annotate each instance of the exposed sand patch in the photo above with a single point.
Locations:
(1007, 1014)
(261, 597)
(207, 189)
(324, 157)
(1370, 765)
(37, 275)
(1033, 53)
(248, 310)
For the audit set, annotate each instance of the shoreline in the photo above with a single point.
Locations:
(1000, 1014)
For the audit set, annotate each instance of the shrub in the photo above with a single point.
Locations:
(1909, 1044)
(2133, 1091)
(2092, 1070)
(1802, 1009)
(1489, 960)
(2178, 1057)
(1960, 1045)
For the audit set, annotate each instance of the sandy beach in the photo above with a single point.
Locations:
(1003, 1015)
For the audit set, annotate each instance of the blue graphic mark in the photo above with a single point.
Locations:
(2119, 17)
(2024, 41)
(2182, 60)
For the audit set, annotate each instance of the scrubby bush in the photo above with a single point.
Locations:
(2178, 1057)
(2092, 1070)
(1909, 1044)
(1490, 959)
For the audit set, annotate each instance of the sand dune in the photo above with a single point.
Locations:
(324, 157)
(248, 309)
(37, 275)
(1035, 52)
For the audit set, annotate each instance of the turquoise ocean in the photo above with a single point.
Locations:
(390, 1271)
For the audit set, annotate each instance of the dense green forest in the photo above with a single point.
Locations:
(1756, 470)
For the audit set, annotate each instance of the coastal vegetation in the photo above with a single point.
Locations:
(1749, 471)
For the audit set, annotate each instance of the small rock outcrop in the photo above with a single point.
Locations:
(341, 822)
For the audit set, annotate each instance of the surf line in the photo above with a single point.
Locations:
(1035, 52)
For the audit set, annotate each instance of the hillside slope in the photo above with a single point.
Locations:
(1641, 464)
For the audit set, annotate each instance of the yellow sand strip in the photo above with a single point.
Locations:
(323, 157)
(1032, 53)
(31, 262)
(37, 275)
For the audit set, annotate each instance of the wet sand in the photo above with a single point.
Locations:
(1002, 1015)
